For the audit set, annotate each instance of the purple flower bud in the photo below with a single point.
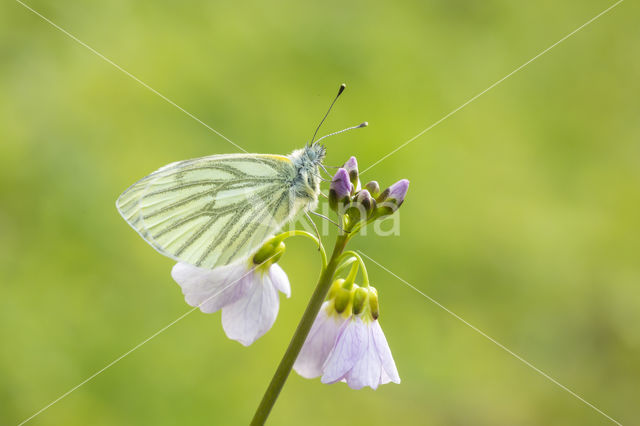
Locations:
(361, 207)
(340, 188)
(351, 166)
(395, 193)
(398, 190)
(392, 198)
(365, 200)
(341, 184)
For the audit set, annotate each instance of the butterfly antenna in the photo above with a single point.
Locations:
(365, 124)
(340, 90)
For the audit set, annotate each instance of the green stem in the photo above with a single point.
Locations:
(299, 337)
(365, 275)
(344, 264)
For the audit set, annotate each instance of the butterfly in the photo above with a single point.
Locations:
(215, 210)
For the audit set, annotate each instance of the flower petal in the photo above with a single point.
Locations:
(367, 371)
(251, 316)
(390, 373)
(320, 341)
(210, 289)
(350, 347)
(279, 279)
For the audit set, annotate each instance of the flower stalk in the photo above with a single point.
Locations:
(300, 335)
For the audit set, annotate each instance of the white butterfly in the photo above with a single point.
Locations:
(215, 210)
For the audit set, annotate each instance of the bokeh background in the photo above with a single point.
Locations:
(523, 215)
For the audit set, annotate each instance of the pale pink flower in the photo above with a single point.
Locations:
(247, 295)
(352, 349)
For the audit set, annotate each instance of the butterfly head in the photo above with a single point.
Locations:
(307, 161)
(315, 153)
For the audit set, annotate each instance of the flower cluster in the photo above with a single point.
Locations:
(346, 342)
(358, 206)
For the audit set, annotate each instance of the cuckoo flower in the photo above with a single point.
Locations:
(246, 292)
(346, 342)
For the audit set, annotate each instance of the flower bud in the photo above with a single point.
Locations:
(365, 200)
(359, 298)
(351, 166)
(361, 207)
(340, 189)
(392, 198)
(373, 188)
(395, 192)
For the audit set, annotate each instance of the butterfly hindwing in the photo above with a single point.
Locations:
(214, 210)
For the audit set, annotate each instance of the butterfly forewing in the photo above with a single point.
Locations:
(214, 210)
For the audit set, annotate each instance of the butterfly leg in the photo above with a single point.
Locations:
(306, 213)
(326, 218)
(325, 169)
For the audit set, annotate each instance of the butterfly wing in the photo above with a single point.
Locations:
(214, 210)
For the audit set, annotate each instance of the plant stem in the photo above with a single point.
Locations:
(365, 275)
(299, 337)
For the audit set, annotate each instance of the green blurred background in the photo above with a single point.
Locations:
(523, 215)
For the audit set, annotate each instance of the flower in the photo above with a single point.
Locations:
(361, 356)
(348, 346)
(340, 189)
(246, 292)
(320, 342)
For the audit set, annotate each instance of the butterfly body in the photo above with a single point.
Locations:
(216, 210)
(306, 183)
